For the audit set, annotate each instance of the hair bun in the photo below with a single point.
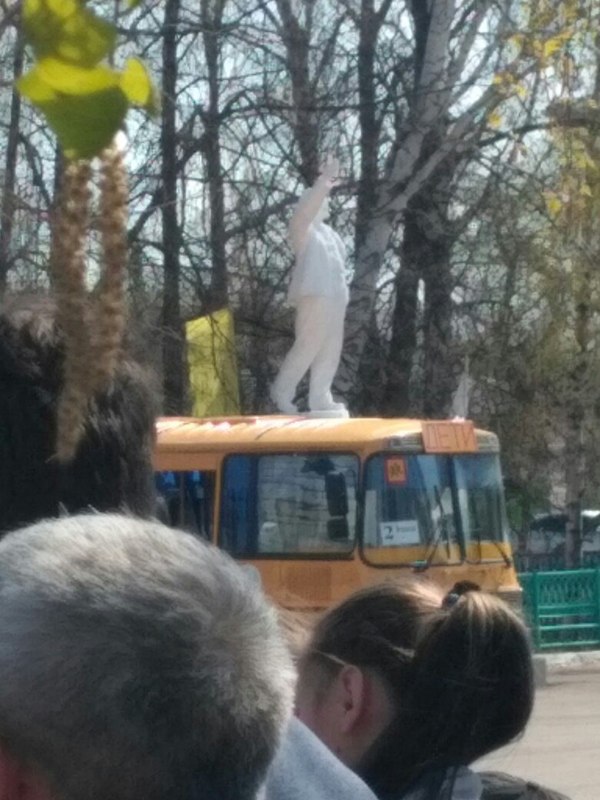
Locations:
(459, 589)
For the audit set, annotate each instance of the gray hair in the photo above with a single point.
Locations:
(137, 662)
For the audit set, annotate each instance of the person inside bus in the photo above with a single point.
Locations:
(112, 468)
(409, 687)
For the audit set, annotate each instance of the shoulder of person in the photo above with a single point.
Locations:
(305, 769)
(501, 786)
(457, 783)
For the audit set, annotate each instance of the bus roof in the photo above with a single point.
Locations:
(273, 432)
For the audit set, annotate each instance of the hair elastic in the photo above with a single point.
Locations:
(450, 600)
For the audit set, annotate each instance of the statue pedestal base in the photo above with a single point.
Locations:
(332, 413)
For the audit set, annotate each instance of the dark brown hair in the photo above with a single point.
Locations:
(112, 467)
(458, 669)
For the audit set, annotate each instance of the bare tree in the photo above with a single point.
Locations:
(171, 324)
(8, 199)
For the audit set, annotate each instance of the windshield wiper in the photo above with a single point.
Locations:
(507, 560)
(441, 530)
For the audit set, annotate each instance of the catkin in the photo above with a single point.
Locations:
(68, 268)
(109, 316)
(92, 328)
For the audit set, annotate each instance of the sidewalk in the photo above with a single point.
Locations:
(548, 664)
(559, 663)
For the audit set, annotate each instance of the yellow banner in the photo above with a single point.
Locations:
(213, 365)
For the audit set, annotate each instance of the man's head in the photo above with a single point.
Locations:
(112, 468)
(135, 662)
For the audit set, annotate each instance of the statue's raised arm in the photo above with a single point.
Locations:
(318, 290)
(313, 206)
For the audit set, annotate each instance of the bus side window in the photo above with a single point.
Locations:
(186, 500)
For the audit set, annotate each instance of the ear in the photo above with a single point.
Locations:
(353, 696)
(18, 782)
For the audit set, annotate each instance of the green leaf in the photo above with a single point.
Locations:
(67, 30)
(133, 3)
(83, 99)
(85, 124)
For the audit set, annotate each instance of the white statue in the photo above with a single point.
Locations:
(319, 291)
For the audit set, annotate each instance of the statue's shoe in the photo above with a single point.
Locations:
(282, 401)
(327, 405)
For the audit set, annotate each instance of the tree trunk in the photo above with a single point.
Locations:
(575, 485)
(297, 46)
(406, 175)
(171, 324)
(212, 23)
(366, 196)
(575, 460)
(438, 240)
(426, 251)
(403, 342)
(7, 202)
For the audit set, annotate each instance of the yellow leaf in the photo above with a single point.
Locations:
(521, 91)
(32, 85)
(135, 82)
(494, 120)
(517, 39)
(585, 190)
(553, 204)
(551, 46)
(69, 79)
(58, 8)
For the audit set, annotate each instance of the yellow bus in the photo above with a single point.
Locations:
(321, 507)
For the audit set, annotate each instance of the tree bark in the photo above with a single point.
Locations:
(397, 399)
(211, 25)
(306, 134)
(575, 484)
(438, 241)
(7, 203)
(370, 127)
(171, 323)
(575, 448)
(403, 180)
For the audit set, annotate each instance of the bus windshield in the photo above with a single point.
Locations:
(438, 502)
(291, 504)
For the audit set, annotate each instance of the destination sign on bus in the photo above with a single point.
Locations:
(449, 437)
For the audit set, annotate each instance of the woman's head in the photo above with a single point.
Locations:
(355, 664)
(398, 679)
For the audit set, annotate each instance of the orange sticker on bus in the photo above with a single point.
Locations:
(449, 437)
(395, 470)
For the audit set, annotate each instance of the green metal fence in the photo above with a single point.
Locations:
(563, 608)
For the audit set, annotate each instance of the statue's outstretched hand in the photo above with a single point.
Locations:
(330, 170)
